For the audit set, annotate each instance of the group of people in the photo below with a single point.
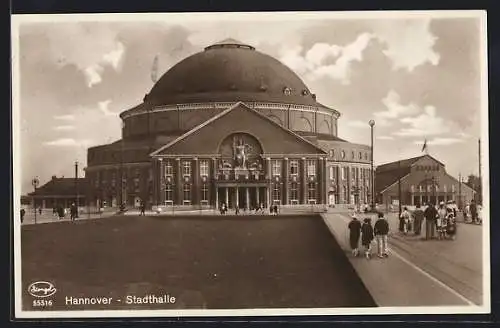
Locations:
(366, 232)
(273, 209)
(440, 222)
(473, 212)
(61, 212)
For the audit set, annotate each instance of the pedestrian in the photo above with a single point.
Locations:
(381, 230)
(60, 212)
(473, 211)
(418, 214)
(354, 233)
(404, 221)
(143, 208)
(367, 237)
(54, 211)
(40, 210)
(23, 212)
(430, 215)
(275, 209)
(441, 220)
(237, 210)
(73, 212)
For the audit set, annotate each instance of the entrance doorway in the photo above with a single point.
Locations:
(243, 197)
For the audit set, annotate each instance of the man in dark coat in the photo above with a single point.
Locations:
(23, 212)
(367, 236)
(354, 233)
(381, 231)
(419, 218)
(430, 214)
(73, 211)
(473, 211)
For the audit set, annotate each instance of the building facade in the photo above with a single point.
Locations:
(229, 124)
(59, 192)
(421, 180)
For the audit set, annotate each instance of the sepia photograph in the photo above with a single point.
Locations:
(250, 164)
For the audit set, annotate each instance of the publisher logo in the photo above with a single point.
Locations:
(41, 289)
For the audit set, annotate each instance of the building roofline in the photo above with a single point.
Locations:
(216, 117)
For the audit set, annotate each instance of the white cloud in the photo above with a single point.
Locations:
(394, 109)
(103, 106)
(441, 141)
(64, 127)
(67, 142)
(114, 57)
(93, 74)
(424, 125)
(67, 117)
(358, 124)
(409, 42)
(385, 138)
(314, 64)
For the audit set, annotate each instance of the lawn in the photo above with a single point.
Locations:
(204, 262)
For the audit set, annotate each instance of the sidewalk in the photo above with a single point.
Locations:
(394, 281)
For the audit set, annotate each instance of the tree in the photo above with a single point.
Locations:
(474, 182)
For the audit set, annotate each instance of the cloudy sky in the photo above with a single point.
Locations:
(418, 77)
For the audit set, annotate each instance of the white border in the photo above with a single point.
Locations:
(250, 16)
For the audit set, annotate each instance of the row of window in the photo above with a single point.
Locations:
(429, 188)
(186, 193)
(356, 173)
(427, 168)
(294, 194)
(331, 153)
(294, 167)
(186, 168)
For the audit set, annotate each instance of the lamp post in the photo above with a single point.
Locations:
(35, 182)
(372, 124)
(76, 188)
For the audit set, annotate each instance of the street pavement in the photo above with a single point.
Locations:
(418, 272)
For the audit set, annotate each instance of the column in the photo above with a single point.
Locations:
(216, 197)
(270, 177)
(286, 193)
(237, 197)
(43, 203)
(247, 198)
(227, 196)
(257, 195)
(196, 187)
(304, 181)
(268, 196)
(178, 193)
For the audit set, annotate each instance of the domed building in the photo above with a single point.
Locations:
(229, 125)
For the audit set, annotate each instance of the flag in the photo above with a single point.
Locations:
(154, 70)
(424, 147)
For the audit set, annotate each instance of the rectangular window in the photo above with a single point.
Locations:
(276, 167)
(331, 173)
(204, 192)
(428, 188)
(186, 168)
(204, 168)
(353, 175)
(293, 193)
(412, 188)
(311, 191)
(452, 188)
(113, 179)
(311, 168)
(276, 193)
(445, 188)
(420, 188)
(294, 167)
(168, 193)
(169, 169)
(187, 193)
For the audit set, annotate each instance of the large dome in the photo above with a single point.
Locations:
(230, 71)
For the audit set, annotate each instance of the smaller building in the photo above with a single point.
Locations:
(418, 180)
(60, 192)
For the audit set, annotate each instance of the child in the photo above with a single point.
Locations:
(381, 229)
(354, 233)
(367, 237)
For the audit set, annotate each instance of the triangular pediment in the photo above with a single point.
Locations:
(206, 138)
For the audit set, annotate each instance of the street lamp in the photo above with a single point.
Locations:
(372, 124)
(35, 182)
(76, 189)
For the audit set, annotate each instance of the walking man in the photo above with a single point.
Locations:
(381, 230)
(419, 218)
(430, 214)
(73, 211)
(473, 211)
(23, 212)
